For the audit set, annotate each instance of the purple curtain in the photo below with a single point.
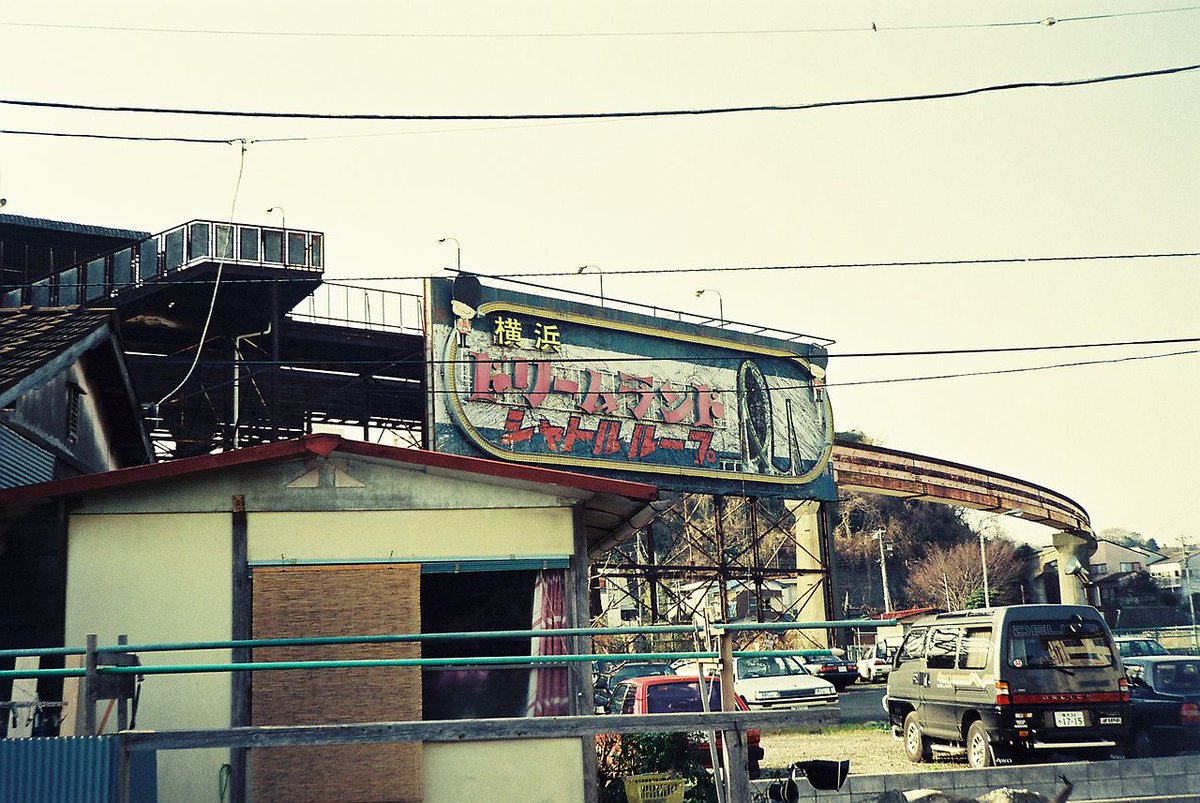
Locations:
(548, 685)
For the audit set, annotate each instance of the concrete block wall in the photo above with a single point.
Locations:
(1120, 780)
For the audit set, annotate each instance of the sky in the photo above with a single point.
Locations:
(1103, 169)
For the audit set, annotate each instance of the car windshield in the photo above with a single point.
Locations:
(1177, 676)
(1140, 646)
(681, 697)
(1062, 645)
(769, 667)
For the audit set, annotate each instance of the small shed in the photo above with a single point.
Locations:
(324, 536)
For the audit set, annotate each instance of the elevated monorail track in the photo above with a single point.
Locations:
(879, 470)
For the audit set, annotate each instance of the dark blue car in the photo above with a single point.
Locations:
(1164, 697)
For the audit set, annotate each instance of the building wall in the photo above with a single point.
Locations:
(166, 577)
(159, 578)
(530, 771)
(42, 415)
(408, 535)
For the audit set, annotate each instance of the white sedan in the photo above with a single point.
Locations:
(774, 680)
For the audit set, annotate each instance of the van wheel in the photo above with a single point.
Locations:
(979, 748)
(916, 744)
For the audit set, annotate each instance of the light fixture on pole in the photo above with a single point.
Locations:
(887, 595)
(987, 594)
(720, 302)
(600, 273)
(282, 215)
(457, 252)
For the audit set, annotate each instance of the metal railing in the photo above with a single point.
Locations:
(731, 724)
(362, 308)
(196, 242)
(313, 641)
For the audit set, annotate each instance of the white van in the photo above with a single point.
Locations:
(773, 680)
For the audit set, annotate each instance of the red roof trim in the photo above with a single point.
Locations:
(322, 445)
(905, 614)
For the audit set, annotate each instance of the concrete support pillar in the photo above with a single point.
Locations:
(812, 586)
(1074, 550)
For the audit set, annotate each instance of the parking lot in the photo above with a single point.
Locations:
(862, 702)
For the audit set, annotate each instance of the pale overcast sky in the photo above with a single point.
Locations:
(1088, 170)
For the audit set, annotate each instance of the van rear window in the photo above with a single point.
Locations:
(1034, 645)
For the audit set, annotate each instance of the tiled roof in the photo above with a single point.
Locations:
(73, 228)
(32, 339)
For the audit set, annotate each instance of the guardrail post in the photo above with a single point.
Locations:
(122, 702)
(123, 792)
(91, 676)
(737, 759)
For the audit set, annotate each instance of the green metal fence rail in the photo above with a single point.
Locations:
(97, 674)
(526, 660)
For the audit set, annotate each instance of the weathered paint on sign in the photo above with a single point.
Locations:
(539, 380)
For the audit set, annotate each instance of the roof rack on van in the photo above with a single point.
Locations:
(966, 614)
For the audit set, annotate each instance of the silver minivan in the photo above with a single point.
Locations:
(1004, 684)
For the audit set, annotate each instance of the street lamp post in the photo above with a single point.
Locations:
(720, 302)
(987, 596)
(1187, 580)
(282, 215)
(457, 252)
(600, 273)
(887, 595)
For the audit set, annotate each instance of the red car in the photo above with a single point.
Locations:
(673, 694)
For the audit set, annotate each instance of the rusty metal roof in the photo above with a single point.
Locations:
(35, 343)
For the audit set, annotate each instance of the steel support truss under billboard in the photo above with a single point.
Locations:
(718, 558)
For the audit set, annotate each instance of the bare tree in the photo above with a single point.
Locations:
(953, 578)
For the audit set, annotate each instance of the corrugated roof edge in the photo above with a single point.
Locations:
(322, 445)
(73, 228)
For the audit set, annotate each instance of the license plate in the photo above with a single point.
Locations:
(1069, 719)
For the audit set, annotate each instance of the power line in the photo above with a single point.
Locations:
(698, 358)
(914, 263)
(832, 265)
(697, 112)
(873, 27)
(418, 389)
(1000, 371)
(120, 137)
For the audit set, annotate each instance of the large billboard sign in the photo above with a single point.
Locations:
(698, 408)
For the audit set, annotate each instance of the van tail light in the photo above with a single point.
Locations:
(1123, 687)
(1002, 695)
(1189, 714)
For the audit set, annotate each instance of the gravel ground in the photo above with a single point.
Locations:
(870, 748)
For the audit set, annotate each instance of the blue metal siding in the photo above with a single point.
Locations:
(22, 462)
(73, 770)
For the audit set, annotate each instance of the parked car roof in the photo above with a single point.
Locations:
(1139, 646)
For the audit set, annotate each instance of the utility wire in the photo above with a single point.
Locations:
(873, 27)
(119, 137)
(212, 304)
(1000, 371)
(417, 387)
(697, 112)
(697, 358)
(513, 277)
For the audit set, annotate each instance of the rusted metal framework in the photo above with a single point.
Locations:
(715, 557)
